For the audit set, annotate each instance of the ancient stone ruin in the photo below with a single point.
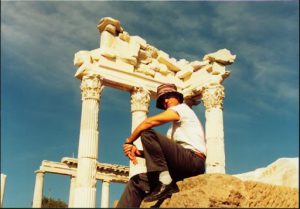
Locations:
(128, 63)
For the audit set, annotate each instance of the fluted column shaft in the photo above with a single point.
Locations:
(85, 190)
(72, 191)
(140, 102)
(38, 189)
(105, 194)
(212, 98)
(3, 181)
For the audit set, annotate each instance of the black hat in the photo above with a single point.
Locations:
(164, 89)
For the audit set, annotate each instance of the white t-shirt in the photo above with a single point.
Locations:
(188, 130)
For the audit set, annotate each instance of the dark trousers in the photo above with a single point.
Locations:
(161, 154)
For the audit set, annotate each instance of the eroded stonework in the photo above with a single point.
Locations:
(132, 56)
(91, 87)
(213, 97)
(140, 99)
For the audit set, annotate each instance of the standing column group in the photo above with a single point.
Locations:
(85, 190)
(212, 98)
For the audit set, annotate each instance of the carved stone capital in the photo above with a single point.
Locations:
(91, 87)
(213, 97)
(140, 99)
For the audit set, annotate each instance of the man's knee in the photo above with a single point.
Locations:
(148, 133)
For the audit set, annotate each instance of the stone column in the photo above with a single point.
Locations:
(72, 191)
(3, 180)
(38, 189)
(105, 194)
(85, 191)
(140, 102)
(212, 98)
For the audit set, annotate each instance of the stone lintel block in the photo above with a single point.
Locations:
(124, 65)
(145, 70)
(161, 78)
(118, 64)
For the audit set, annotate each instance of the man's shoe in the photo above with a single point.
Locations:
(162, 191)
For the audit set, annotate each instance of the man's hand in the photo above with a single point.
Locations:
(131, 152)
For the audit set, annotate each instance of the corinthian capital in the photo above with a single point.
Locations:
(91, 87)
(213, 97)
(140, 99)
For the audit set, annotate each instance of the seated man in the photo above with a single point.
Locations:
(168, 159)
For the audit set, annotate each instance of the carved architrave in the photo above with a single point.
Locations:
(213, 96)
(140, 99)
(91, 87)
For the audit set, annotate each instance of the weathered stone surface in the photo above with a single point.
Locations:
(282, 172)
(226, 191)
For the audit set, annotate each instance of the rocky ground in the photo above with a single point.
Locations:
(226, 191)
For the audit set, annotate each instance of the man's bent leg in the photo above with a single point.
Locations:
(180, 162)
(135, 191)
(155, 159)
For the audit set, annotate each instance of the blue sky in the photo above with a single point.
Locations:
(41, 101)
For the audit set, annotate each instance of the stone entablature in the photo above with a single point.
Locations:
(111, 172)
(126, 61)
(68, 166)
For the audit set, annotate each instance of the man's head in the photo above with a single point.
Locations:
(166, 91)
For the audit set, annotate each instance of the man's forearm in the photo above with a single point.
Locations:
(148, 123)
(136, 133)
(159, 119)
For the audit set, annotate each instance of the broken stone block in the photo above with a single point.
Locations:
(105, 21)
(198, 64)
(124, 36)
(222, 56)
(184, 73)
(140, 41)
(218, 68)
(164, 59)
